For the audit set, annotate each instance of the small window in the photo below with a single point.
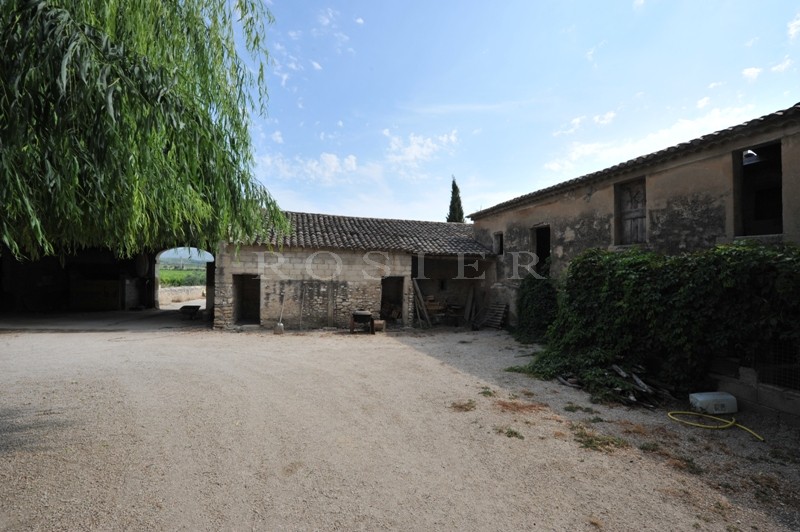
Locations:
(498, 244)
(631, 212)
(759, 198)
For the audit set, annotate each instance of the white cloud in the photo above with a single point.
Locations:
(715, 84)
(327, 169)
(408, 154)
(750, 43)
(591, 53)
(702, 102)
(295, 35)
(340, 123)
(751, 74)
(300, 103)
(782, 66)
(326, 17)
(316, 65)
(277, 137)
(605, 119)
(359, 21)
(597, 155)
(793, 27)
(638, 4)
(574, 125)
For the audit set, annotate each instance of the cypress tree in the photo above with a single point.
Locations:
(456, 213)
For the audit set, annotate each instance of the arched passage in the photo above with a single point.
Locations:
(184, 276)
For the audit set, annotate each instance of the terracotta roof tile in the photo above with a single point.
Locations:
(325, 231)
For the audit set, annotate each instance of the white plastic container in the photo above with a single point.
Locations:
(713, 402)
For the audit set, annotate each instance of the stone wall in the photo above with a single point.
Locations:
(308, 288)
(178, 294)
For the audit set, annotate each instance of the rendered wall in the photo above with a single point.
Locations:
(691, 204)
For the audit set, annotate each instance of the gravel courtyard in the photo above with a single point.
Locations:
(192, 429)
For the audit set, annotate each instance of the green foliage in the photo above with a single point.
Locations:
(456, 213)
(537, 305)
(671, 315)
(182, 277)
(125, 125)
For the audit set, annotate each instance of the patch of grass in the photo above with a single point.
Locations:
(516, 406)
(572, 407)
(487, 392)
(649, 447)
(633, 428)
(590, 439)
(596, 419)
(686, 463)
(463, 406)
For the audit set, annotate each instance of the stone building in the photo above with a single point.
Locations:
(741, 182)
(738, 183)
(329, 266)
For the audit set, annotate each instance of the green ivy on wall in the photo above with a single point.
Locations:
(671, 315)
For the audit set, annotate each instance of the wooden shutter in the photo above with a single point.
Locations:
(632, 212)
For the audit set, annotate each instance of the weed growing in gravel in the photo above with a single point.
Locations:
(590, 439)
(686, 463)
(463, 406)
(509, 432)
(487, 392)
(572, 407)
(649, 447)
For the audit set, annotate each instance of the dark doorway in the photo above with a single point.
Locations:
(247, 299)
(392, 298)
(541, 237)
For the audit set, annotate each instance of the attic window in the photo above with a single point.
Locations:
(759, 194)
(497, 247)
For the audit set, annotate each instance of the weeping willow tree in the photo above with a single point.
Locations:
(124, 124)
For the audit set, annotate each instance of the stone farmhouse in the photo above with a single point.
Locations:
(330, 266)
(741, 182)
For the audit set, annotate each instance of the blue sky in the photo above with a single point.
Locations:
(374, 105)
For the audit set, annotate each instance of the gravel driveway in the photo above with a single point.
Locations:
(193, 429)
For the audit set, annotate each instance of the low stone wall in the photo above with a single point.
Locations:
(177, 294)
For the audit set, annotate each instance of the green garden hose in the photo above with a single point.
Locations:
(725, 423)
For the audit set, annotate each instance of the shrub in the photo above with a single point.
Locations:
(536, 308)
(672, 315)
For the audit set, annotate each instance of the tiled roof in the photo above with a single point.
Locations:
(778, 118)
(324, 231)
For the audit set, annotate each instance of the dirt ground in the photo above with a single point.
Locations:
(184, 428)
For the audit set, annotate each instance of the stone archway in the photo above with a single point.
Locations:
(184, 276)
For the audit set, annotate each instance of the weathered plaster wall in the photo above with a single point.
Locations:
(690, 205)
(790, 157)
(687, 205)
(320, 288)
